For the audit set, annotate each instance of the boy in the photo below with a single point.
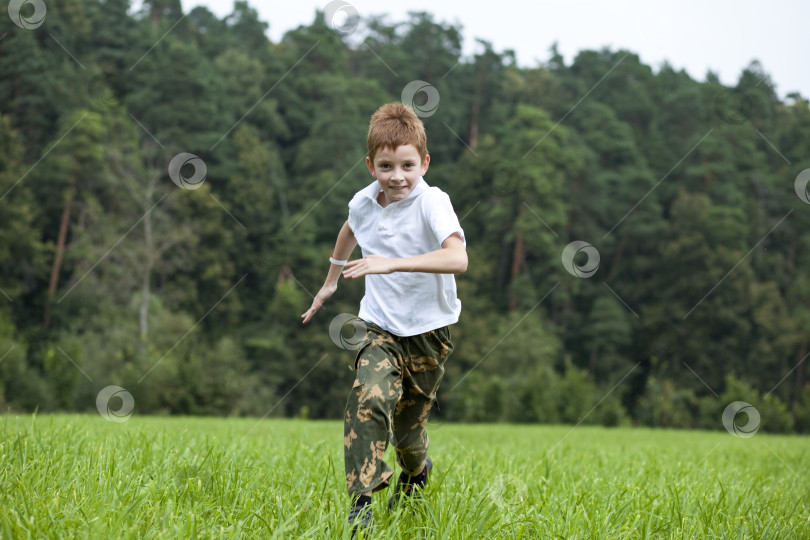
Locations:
(412, 244)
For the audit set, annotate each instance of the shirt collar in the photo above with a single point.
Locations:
(372, 190)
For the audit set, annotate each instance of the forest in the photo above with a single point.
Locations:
(172, 184)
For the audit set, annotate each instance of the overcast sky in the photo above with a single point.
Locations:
(718, 35)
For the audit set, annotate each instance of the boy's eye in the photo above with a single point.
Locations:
(409, 164)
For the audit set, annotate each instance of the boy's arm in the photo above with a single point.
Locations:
(450, 259)
(344, 246)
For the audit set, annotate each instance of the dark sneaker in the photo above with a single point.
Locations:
(360, 514)
(409, 486)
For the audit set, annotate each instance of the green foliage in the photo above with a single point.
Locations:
(191, 298)
(774, 414)
(667, 406)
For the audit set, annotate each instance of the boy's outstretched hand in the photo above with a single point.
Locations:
(325, 292)
(370, 264)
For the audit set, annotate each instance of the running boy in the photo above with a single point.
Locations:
(412, 244)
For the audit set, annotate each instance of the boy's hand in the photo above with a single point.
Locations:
(325, 292)
(370, 264)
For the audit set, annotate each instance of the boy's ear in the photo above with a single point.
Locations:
(370, 166)
(425, 164)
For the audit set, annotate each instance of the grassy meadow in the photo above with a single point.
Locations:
(75, 476)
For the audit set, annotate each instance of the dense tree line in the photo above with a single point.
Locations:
(189, 294)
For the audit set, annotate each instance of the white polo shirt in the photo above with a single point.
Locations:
(406, 303)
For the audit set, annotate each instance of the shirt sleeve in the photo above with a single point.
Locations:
(441, 217)
(353, 210)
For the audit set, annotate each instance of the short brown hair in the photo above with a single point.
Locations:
(393, 125)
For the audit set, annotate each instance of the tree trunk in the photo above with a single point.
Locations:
(476, 108)
(146, 285)
(283, 273)
(517, 260)
(617, 257)
(799, 385)
(474, 125)
(593, 359)
(503, 260)
(61, 240)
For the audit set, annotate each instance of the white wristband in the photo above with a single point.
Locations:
(337, 262)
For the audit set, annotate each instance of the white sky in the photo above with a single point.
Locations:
(718, 35)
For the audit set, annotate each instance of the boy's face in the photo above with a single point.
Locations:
(397, 171)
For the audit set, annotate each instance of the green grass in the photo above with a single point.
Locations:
(85, 477)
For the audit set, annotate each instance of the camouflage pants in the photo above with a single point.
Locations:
(396, 384)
